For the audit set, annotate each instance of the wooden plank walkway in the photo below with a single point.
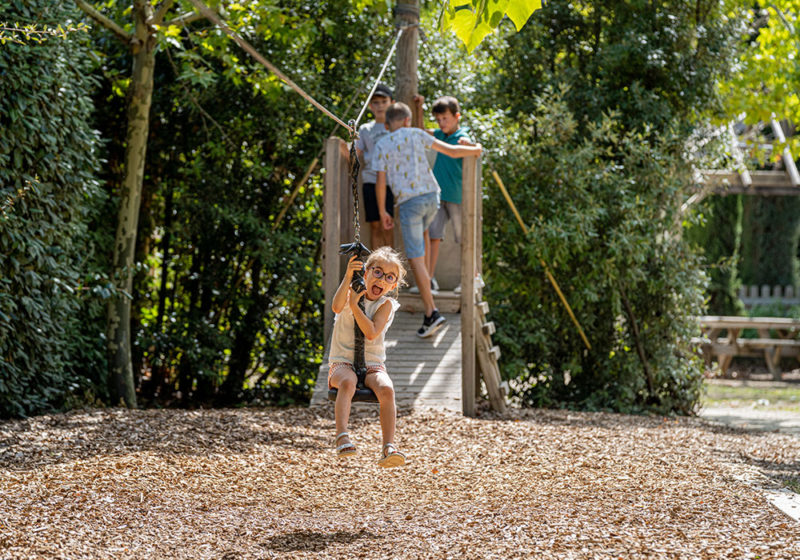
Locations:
(426, 372)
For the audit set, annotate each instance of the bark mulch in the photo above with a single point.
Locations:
(264, 483)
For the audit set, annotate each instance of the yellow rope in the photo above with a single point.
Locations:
(544, 264)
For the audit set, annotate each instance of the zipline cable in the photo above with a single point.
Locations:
(380, 75)
(211, 15)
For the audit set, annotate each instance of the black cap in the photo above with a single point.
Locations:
(384, 91)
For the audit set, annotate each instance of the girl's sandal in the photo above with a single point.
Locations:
(346, 449)
(392, 457)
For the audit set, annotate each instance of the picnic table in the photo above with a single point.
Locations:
(777, 337)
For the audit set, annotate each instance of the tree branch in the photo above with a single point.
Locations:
(104, 21)
(158, 17)
(184, 19)
(638, 341)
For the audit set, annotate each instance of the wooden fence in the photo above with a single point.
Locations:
(764, 295)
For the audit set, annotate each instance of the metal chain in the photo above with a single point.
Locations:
(355, 165)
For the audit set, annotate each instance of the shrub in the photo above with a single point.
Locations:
(601, 208)
(47, 157)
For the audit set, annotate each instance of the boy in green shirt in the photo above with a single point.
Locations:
(448, 171)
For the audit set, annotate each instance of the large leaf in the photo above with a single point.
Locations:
(519, 11)
(473, 20)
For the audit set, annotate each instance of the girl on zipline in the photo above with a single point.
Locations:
(384, 272)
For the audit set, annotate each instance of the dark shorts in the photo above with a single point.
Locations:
(371, 203)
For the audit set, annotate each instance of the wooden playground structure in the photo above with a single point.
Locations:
(444, 371)
(776, 337)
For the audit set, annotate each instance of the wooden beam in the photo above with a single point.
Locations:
(744, 173)
(786, 156)
(407, 54)
(469, 228)
(762, 183)
(489, 370)
(336, 156)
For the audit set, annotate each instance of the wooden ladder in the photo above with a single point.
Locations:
(488, 355)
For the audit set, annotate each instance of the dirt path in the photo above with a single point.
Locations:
(231, 484)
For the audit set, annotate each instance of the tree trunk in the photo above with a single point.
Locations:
(407, 53)
(119, 309)
(245, 340)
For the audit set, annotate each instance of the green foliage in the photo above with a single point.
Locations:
(228, 301)
(600, 212)
(473, 20)
(717, 237)
(47, 189)
(654, 64)
(33, 33)
(764, 82)
(770, 237)
(605, 99)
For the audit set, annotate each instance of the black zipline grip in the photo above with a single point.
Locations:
(359, 250)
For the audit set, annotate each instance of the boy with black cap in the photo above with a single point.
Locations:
(368, 136)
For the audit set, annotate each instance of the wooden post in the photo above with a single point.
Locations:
(479, 219)
(334, 223)
(788, 159)
(468, 261)
(407, 13)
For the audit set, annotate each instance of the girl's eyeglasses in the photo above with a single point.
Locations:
(379, 273)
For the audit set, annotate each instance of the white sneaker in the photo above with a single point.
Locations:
(434, 288)
(478, 280)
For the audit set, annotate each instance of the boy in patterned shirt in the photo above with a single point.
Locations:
(400, 161)
(368, 136)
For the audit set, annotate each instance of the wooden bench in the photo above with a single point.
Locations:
(777, 337)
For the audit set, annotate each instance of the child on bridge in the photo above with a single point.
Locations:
(384, 272)
(401, 161)
(368, 136)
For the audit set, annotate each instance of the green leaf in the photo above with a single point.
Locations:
(473, 21)
(519, 11)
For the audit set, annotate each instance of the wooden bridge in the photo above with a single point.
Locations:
(426, 372)
(444, 370)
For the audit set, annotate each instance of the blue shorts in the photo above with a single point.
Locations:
(416, 215)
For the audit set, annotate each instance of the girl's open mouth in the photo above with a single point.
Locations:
(376, 290)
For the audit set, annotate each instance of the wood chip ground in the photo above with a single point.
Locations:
(265, 483)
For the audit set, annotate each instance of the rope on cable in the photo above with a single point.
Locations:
(211, 15)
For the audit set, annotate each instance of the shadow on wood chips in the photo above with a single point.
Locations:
(315, 540)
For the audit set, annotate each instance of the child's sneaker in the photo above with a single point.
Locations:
(434, 288)
(478, 280)
(431, 324)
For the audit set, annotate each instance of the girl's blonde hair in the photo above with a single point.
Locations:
(389, 256)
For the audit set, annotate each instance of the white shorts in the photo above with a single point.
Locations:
(447, 211)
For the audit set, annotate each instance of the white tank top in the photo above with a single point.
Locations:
(343, 337)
